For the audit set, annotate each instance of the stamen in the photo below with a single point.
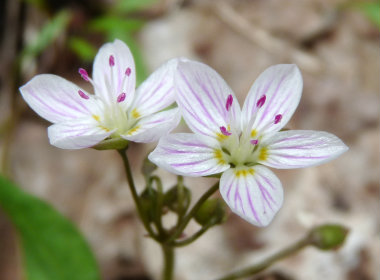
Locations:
(224, 131)
(84, 74)
(121, 97)
(229, 101)
(83, 95)
(111, 60)
(277, 118)
(128, 71)
(261, 101)
(254, 141)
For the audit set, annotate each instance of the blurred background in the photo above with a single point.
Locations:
(334, 42)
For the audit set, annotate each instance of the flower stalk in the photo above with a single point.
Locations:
(135, 196)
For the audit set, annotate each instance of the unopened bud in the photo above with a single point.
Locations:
(148, 200)
(212, 211)
(328, 237)
(178, 199)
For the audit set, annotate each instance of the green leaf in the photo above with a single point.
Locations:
(52, 247)
(130, 6)
(48, 34)
(82, 48)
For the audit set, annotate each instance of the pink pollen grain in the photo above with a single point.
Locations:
(121, 97)
(83, 95)
(128, 71)
(111, 60)
(229, 101)
(84, 74)
(260, 103)
(277, 118)
(224, 131)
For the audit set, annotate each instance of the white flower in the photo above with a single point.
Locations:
(115, 110)
(240, 142)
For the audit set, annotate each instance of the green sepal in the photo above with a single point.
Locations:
(111, 144)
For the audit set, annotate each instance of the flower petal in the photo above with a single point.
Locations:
(113, 80)
(156, 92)
(301, 148)
(282, 87)
(188, 154)
(255, 193)
(153, 127)
(202, 95)
(78, 134)
(55, 98)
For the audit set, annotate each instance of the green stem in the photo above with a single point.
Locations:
(192, 212)
(191, 239)
(168, 271)
(252, 270)
(135, 196)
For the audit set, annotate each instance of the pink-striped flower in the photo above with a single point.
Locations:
(240, 143)
(114, 110)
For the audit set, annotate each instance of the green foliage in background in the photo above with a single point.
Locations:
(48, 34)
(131, 6)
(52, 247)
(82, 48)
(119, 27)
(371, 9)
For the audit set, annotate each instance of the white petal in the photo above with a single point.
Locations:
(153, 127)
(110, 86)
(156, 92)
(55, 98)
(188, 154)
(301, 148)
(78, 134)
(255, 193)
(282, 86)
(201, 96)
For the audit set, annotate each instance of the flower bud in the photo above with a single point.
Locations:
(328, 237)
(178, 199)
(212, 211)
(148, 200)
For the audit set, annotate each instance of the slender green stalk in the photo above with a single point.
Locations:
(192, 212)
(168, 271)
(252, 270)
(192, 238)
(135, 196)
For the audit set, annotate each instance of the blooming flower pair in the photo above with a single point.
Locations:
(236, 142)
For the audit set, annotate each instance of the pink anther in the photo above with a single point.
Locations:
(229, 101)
(277, 118)
(254, 141)
(83, 95)
(84, 74)
(121, 97)
(111, 60)
(261, 101)
(224, 131)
